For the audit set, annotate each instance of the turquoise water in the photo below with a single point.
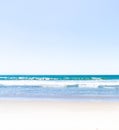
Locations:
(58, 77)
(70, 87)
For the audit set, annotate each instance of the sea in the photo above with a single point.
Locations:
(60, 87)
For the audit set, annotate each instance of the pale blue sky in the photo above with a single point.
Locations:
(59, 37)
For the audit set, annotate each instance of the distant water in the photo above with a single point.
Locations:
(69, 87)
(59, 77)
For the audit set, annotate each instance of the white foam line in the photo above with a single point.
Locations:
(81, 83)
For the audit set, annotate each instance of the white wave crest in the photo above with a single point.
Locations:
(73, 83)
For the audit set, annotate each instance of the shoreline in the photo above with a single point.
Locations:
(84, 98)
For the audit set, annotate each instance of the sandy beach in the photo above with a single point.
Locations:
(58, 115)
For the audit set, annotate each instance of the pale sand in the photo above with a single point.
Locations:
(60, 115)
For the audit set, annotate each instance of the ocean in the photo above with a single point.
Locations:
(60, 87)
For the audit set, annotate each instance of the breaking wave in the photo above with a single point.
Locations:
(64, 84)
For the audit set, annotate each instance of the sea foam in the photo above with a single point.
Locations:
(61, 84)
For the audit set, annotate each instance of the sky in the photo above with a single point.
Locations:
(59, 37)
